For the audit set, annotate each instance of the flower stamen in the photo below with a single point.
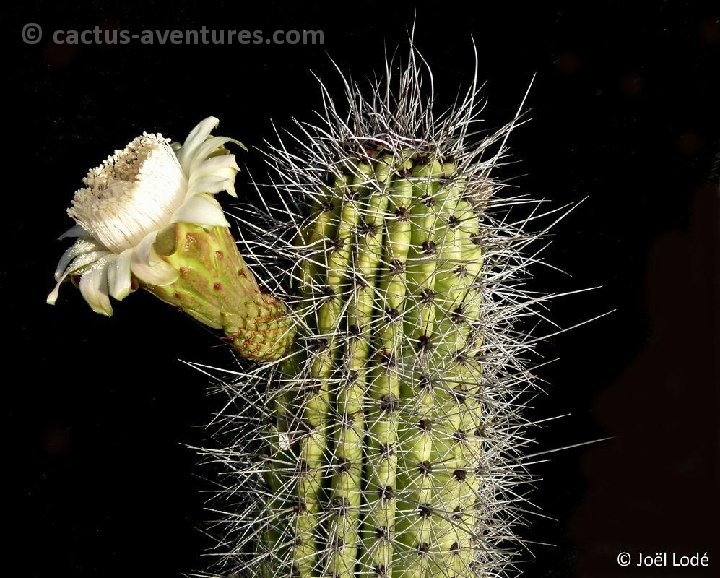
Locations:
(134, 192)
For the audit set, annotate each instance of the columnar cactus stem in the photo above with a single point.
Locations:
(398, 222)
(393, 420)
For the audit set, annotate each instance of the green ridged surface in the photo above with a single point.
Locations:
(388, 414)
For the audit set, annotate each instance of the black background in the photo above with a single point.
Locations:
(624, 112)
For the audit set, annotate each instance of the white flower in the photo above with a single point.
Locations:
(130, 198)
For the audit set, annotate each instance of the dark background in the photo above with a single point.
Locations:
(624, 112)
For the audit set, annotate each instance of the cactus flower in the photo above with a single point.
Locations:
(147, 217)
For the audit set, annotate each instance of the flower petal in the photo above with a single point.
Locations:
(197, 135)
(214, 164)
(119, 276)
(208, 176)
(80, 247)
(201, 210)
(206, 149)
(147, 266)
(94, 287)
(82, 254)
(210, 185)
(52, 297)
(75, 231)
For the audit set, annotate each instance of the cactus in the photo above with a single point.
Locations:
(385, 443)
(375, 422)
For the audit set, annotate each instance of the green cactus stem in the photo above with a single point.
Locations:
(386, 475)
(384, 443)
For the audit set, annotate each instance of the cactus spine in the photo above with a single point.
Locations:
(386, 441)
